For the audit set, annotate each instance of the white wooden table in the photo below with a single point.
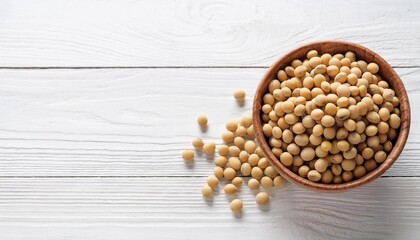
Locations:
(98, 98)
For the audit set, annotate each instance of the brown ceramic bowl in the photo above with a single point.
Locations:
(333, 47)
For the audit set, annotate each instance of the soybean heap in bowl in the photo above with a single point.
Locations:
(331, 115)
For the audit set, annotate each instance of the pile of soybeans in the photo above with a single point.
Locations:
(330, 119)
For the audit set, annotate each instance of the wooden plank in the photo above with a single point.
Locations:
(157, 208)
(197, 33)
(131, 122)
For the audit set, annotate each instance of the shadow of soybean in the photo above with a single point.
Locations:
(204, 129)
(266, 207)
(238, 215)
(241, 103)
(190, 164)
(209, 201)
(210, 158)
(199, 153)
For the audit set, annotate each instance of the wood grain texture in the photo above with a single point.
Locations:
(132, 122)
(162, 208)
(197, 33)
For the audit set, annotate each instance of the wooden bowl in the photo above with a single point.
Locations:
(333, 47)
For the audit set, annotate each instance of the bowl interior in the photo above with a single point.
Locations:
(333, 47)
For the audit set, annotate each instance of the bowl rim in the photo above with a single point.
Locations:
(322, 47)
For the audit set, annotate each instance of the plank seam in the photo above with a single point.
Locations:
(155, 67)
(139, 176)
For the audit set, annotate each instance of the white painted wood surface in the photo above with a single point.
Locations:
(197, 33)
(131, 122)
(91, 150)
(172, 208)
